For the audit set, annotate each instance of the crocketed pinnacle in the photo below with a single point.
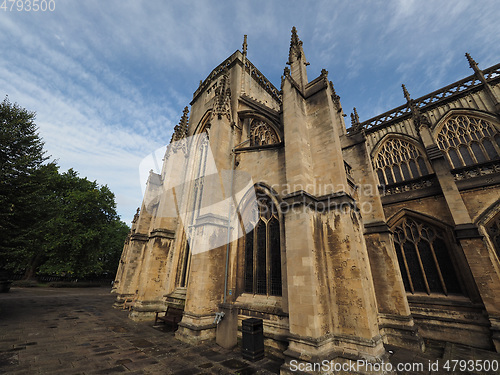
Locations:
(406, 93)
(472, 62)
(181, 130)
(295, 47)
(245, 45)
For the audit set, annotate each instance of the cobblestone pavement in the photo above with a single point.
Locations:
(76, 331)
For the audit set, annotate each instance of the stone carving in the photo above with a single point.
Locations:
(262, 134)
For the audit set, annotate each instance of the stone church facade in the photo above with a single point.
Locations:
(384, 232)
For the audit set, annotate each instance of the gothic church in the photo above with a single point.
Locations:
(386, 232)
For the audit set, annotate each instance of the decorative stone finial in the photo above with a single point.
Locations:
(181, 130)
(295, 39)
(419, 119)
(295, 47)
(222, 106)
(245, 45)
(355, 125)
(335, 97)
(354, 117)
(136, 216)
(406, 93)
(471, 61)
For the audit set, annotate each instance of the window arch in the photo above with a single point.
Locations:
(424, 258)
(468, 140)
(262, 134)
(262, 270)
(399, 160)
(198, 167)
(493, 230)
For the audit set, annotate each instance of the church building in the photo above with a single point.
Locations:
(346, 238)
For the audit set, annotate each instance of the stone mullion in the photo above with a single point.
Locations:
(424, 274)
(268, 261)
(254, 259)
(408, 274)
(438, 267)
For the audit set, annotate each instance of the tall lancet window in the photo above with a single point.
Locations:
(468, 140)
(199, 167)
(399, 160)
(424, 258)
(200, 170)
(263, 251)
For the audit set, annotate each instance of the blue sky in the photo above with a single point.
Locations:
(109, 79)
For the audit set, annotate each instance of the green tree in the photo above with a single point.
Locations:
(51, 222)
(21, 194)
(86, 236)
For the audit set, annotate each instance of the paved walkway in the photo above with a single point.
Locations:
(76, 331)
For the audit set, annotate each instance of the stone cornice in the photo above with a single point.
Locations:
(211, 219)
(467, 231)
(322, 203)
(376, 227)
(259, 106)
(139, 237)
(162, 233)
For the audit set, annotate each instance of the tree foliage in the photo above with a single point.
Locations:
(51, 222)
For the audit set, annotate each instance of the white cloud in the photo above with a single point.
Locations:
(109, 80)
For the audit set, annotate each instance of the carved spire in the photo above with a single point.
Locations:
(472, 63)
(245, 45)
(295, 43)
(222, 106)
(335, 97)
(296, 51)
(418, 118)
(354, 118)
(355, 124)
(181, 130)
(495, 99)
(136, 216)
(406, 93)
(297, 60)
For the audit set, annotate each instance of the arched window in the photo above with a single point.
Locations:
(201, 150)
(263, 251)
(262, 134)
(468, 140)
(424, 258)
(493, 230)
(399, 160)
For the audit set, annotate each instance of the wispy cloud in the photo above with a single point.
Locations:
(109, 80)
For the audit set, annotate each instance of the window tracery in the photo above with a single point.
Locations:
(262, 134)
(424, 258)
(399, 160)
(468, 140)
(263, 251)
